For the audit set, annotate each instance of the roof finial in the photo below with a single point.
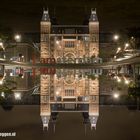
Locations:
(93, 16)
(93, 10)
(45, 16)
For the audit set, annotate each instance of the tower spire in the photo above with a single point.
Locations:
(45, 16)
(93, 15)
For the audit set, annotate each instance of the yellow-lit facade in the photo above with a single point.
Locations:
(69, 89)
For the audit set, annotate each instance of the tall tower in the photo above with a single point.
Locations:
(45, 110)
(45, 34)
(94, 34)
(94, 84)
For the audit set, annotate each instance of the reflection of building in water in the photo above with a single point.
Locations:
(69, 90)
(21, 52)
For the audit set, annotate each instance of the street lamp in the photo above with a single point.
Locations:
(116, 37)
(126, 81)
(118, 50)
(1, 82)
(116, 95)
(3, 94)
(17, 37)
(57, 93)
(57, 42)
(118, 79)
(126, 45)
(1, 45)
(17, 95)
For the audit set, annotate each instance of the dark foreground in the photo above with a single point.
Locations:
(113, 124)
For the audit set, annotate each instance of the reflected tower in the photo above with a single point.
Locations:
(45, 79)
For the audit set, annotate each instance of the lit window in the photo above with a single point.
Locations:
(69, 44)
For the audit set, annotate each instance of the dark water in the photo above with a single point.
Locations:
(114, 123)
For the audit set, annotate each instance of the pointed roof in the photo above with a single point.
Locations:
(45, 121)
(93, 121)
(93, 16)
(45, 16)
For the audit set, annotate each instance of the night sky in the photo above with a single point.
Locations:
(24, 15)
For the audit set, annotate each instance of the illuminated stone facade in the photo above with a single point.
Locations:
(71, 89)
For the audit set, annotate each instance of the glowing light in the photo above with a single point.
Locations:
(115, 77)
(76, 76)
(17, 96)
(11, 74)
(57, 42)
(118, 79)
(116, 95)
(118, 50)
(126, 45)
(116, 37)
(132, 37)
(126, 81)
(18, 38)
(57, 93)
(1, 44)
(1, 82)
(3, 94)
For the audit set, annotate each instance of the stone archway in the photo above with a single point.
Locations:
(70, 57)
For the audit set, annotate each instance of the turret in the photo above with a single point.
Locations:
(45, 22)
(45, 34)
(93, 22)
(93, 121)
(45, 121)
(94, 33)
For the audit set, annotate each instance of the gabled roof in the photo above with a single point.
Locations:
(93, 121)
(45, 121)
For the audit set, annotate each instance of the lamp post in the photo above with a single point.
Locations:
(115, 39)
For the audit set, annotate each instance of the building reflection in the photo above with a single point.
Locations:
(63, 90)
(69, 91)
